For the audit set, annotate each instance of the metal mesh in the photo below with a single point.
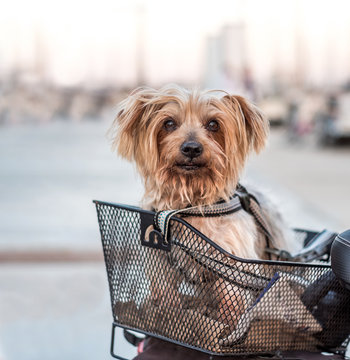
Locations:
(201, 297)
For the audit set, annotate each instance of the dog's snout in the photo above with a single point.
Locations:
(191, 149)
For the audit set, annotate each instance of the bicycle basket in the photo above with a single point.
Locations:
(191, 292)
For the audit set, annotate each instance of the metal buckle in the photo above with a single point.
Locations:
(150, 236)
(280, 254)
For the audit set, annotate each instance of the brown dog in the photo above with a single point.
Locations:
(190, 149)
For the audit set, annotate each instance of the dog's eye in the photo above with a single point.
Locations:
(213, 125)
(169, 124)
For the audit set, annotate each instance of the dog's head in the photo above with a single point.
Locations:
(189, 147)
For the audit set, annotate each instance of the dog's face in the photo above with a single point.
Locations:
(189, 147)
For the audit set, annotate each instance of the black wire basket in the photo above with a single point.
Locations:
(189, 291)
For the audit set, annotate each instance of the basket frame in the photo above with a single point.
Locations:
(150, 214)
(212, 243)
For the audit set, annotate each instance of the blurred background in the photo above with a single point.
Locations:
(65, 65)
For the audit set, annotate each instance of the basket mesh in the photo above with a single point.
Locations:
(199, 296)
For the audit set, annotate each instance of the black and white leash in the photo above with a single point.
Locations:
(242, 199)
(162, 218)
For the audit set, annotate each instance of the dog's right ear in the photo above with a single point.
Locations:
(128, 123)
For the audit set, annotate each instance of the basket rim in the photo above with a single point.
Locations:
(211, 242)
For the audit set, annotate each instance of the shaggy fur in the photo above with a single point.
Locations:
(150, 129)
(139, 135)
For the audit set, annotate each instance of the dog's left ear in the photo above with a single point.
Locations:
(255, 123)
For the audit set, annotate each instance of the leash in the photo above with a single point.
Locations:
(242, 199)
(221, 208)
(251, 205)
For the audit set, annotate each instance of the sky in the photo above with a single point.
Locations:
(81, 41)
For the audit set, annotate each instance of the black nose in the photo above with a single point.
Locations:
(191, 149)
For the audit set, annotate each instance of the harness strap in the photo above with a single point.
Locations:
(162, 218)
(242, 199)
(252, 206)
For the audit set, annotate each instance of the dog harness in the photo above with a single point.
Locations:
(241, 200)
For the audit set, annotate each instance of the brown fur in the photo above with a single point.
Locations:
(139, 135)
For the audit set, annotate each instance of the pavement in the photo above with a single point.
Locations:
(55, 311)
(59, 308)
(310, 183)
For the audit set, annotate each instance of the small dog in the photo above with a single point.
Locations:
(190, 149)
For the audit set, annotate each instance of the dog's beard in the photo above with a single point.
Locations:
(172, 187)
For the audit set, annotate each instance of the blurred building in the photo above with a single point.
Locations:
(226, 59)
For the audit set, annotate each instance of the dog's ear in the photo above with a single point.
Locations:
(255, 123)
(128, 123)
